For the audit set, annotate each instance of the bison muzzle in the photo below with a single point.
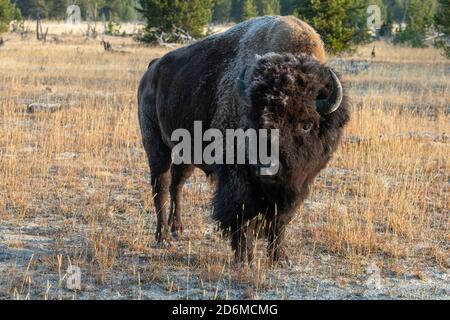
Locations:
(265, 73)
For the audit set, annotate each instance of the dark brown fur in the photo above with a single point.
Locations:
(199, 83)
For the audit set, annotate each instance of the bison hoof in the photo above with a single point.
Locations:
(280, 258)
(243, 260)
(161, 245)
(175, 235)
(285, 263)
(162, 241)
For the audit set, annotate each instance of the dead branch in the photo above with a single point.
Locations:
(173, 39)
(40, 35)
(91, 31)
(43, 107)
(108, 48)
(106, 45)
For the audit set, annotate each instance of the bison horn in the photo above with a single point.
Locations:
(333, 102)
(242, 86)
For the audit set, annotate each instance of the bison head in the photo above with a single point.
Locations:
(297, 95)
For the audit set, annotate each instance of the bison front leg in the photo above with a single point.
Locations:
(243, 241)
(234, 209)
(276, 250)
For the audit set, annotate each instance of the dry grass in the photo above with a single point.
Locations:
(74, 183)
(66, 29)
(61, 28)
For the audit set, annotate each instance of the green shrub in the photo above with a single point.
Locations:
(165, 16)
(8, 12)
(341, 23)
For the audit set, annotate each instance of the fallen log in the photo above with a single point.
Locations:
(43, 107)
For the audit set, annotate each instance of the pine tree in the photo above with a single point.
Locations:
(221, 11)
(57, 9)
(420, 14)
(442, 22)
(341, 23)
(166, 15)
(30, 8)
(249, 9)
(442, 17)
(236, 10)
(396, 10)
(286, 7)
(8, 13)
(5, 15)
(243, 10)
(268, 7)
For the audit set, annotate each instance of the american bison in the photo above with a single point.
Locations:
(264, 73)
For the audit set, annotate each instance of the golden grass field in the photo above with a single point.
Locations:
(61, 28)
(74, 187)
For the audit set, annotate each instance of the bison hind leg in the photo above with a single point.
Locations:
(179, 175)
(159, 158)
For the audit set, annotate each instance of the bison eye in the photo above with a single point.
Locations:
(305, 127)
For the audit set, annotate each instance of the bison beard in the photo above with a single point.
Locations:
(225, 83)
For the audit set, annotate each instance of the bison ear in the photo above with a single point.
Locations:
(243, 85)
